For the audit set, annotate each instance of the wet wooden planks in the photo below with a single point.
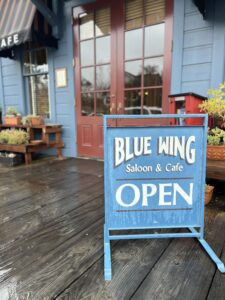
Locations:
(215, 169)
(52, 243)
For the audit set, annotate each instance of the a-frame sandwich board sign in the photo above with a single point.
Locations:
(154, 177)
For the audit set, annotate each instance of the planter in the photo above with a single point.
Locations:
(208, 194)
(36, 121)
(216, 152)
(12, 120)
(11, 161)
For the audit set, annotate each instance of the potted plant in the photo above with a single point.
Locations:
(32, 120)
(214, 106)
(216, 144)
(14, 137)
(12, 117)
(208, 193)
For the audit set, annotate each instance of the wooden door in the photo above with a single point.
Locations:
(95, 60)
(122, 64)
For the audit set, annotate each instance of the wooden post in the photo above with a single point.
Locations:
(28, 158)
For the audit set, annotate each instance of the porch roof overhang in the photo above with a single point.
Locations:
(16, 19)
(201, 5)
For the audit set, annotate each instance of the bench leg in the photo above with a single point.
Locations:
(28, 158)
(59, 153)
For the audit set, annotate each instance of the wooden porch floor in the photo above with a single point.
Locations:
(51, 242)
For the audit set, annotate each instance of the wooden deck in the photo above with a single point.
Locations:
(51, 216)
(216, 169)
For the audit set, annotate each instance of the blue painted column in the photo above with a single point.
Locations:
(178, 38)
(2, 102)
(218, 55)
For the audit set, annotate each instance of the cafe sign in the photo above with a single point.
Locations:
(154, 178)
(9, 41)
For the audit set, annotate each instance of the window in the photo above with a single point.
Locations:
(144, 56)
(37, 81)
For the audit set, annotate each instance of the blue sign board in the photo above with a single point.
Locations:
(154, 178)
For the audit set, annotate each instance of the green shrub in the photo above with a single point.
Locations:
(14, 137)
(11, 111)
(215, 105)
(213, 140)
(26, 120)
(216, 136)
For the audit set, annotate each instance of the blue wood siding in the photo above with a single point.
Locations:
(11, 84)
(63, 99)
(196, 49)
(199, 47)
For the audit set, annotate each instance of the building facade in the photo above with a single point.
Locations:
(101, 57)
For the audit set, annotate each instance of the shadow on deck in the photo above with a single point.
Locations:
(51, 234)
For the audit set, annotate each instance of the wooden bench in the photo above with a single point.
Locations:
(36, 145)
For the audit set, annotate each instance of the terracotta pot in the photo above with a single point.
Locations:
(37, 121)
(12, 120)
(216, 152)
(208, 194)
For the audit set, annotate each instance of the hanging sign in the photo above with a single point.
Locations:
(154, 178)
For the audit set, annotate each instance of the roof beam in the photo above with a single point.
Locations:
(49, 15)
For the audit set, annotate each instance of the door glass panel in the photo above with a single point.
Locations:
(152, 101)
(133, 70)
(133, 44)
(153, 71)
(87, 104)
(103, 51)
(102, 104)
(154, 40)
(102, 22)
(87, 53)
(132, 102)
(86, 26)
(134, 14)
(103, 77)
(154, 11)
(87, 79)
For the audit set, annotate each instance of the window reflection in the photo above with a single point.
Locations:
(133, 44)
(103, 50)
(102, 104)
(152, 101)
(87, 79)
(102, 22)
(38, 94)
(134, 14)
(154, 40)
(132, 103)
(35, 61)
(87, 104)
(87, 53)
(153, 68)
(133, 72)
(154, 12)
(103, 77)
(86, 26)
